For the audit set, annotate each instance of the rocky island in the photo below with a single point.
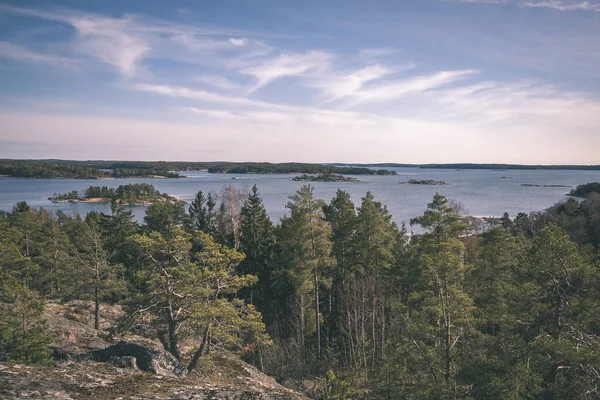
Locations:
(422, 182)
(324, 177)
(546, 186)
(142, 194)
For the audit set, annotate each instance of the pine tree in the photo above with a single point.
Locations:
(373, 245)
(23, 335)
(192, 295)
(163, 217)
(305, 241)
(199, 213)
(341, 216)
(93, 277)
(257, 242)
(440, 325)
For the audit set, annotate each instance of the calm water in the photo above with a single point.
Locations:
(482, 192)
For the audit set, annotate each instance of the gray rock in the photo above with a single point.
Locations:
(147, 358)
(124, 362)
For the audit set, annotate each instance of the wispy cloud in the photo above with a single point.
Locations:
(124, 43)
(219, 82)
(563, 5)
(22, 54)
(560, 5)
(393, 90)
(288, 64)
(340, 85)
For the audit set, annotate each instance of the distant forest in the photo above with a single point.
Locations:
(480, 166)
(171, 169)
(143, 169)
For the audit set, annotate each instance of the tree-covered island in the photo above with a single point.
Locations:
(422, 182)
(134, 194)
(324, 177)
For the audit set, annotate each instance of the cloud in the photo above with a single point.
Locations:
(22, 54)
(238, 42)
(341, 85)
(219, 82)
(111, 41)
(563, 5)
(392, 90)
(560, 5)
(125, 42)
(289, 64)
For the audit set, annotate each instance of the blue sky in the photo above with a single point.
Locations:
(319, 81)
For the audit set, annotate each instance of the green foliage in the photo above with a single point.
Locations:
(257, 242)
(164, 217)
(337, 388)
(305, 246)
(190, 293)
(585, 189)
(23, 336)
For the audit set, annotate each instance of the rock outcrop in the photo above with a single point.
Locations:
(147, 358)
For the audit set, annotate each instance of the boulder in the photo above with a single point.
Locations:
(147, 358)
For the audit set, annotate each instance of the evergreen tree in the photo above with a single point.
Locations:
(164, 217)
(198, 213)
(341, 216)
(23, 335)
(93, 276)
(305, 241)
(373, 244)
(192, 295)
(257, 242)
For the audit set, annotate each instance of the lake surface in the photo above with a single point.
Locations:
(482, 192)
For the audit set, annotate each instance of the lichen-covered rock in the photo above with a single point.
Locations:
(149, 359)
(86, 379)
(124, 362)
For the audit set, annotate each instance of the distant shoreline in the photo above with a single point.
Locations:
(71, 169)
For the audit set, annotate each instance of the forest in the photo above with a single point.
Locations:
(335, 292)
(83, 169)
(161, 169)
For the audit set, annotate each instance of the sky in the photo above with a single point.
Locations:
(411, 81)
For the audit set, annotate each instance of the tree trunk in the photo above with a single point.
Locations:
(317, 316)
(172, 325)
(198, 352)
(96, 308)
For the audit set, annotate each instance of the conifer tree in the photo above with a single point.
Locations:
(257, 242)
(23, 335)
(341, 216)
(305, 241)
(93, 276)
(192, 295)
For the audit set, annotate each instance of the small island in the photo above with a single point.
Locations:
(139, 194)
(422, 182)
(324, 177)
(546, 186)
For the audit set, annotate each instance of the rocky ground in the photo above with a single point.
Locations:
(75, 375)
